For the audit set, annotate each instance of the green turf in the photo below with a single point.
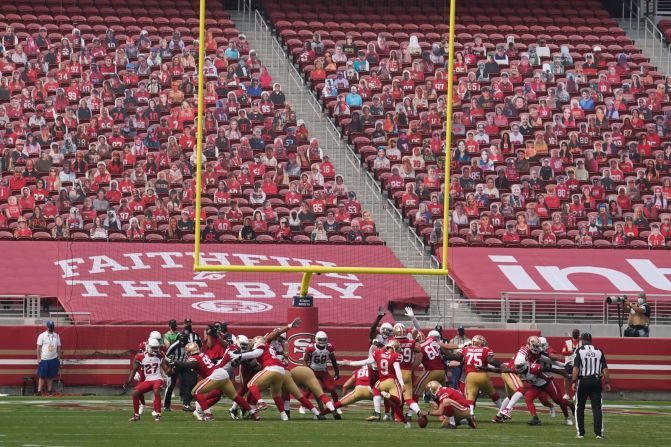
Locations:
(103, 421)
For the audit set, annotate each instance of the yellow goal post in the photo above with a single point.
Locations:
(309, 270)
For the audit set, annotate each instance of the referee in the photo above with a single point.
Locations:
(187, 378)
(589, 366)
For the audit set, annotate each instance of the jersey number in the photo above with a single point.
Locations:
(474, 358)
(319, 359)
(384, 367)
(407, 355)
(150, 369)
(431, 352)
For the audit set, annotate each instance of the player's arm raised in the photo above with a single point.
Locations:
(373, 329)
(272, 335)
(410, 313)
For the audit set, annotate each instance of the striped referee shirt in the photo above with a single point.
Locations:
(176, 352)
(590, 361)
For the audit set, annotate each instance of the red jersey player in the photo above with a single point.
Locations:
(451, 403)
(408, 349)
(215, 380)
(477, 359)
(317, 356)
(362, 390)
(537, 382)
(152, 363)
(432, 360)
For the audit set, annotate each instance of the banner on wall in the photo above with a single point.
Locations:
(148, 283)
(558, 270)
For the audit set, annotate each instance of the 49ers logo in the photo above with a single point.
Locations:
(232, 306)
(297, 344)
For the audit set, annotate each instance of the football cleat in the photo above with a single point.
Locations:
(337, 416)
(498, 419)
(450, 427)
(387, 417)
(535, 421)
(579, 436)
(471, 422)
(506, 414)
(198, 415)
(254, 415)
(233, 412)
(135, 418)
(207, 417)
(339, 411)
(569, 421)
(283, 416)
(301, 410)
(187, 408)
(375, 417)
(553, 411)
(157, 417)
(261, 406)
(408, 424)
(599, 437)
(319, 417)
(140, 409)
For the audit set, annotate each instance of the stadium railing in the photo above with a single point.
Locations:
(19, 306)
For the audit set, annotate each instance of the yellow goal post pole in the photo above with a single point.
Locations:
(308, 271)
(199, 130)
(448, 130)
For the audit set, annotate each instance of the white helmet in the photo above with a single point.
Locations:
(544, 343)
(243, 342)
(434, 334)
(153, 346)
(321, 339)
(534, 344)
(386, 330)
(155, 335)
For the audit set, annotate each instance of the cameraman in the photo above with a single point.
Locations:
(639, 317)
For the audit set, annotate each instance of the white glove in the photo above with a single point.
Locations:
(409, 312)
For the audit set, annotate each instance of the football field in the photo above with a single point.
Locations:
(103, 421)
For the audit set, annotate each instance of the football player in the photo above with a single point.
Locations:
(247, 370)
(431, 350)
(530, 353)
(537, 382)
(378, 340)
(317, 356)
(409, 348)
(362, 390)
(390, 381)
(273, 371)
(477, 357)
(452, 404)
(215, 381)
(153, 363)
(306, 378)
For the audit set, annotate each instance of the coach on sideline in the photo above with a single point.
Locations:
(48, 354)
(589, 367)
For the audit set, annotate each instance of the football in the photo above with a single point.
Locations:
(423, 421)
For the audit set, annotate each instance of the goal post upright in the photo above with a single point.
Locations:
(308, 271)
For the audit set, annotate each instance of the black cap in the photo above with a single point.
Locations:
(172, 323)
(586, 336)
(187, 321)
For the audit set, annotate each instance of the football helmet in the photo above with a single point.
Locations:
(386, 330)
(153, 346)
(258, 341)
(432, 388)
(243, 342)
(479, 340)
(321, 339)
(543, 343)
(192, 349)
(393, 345)
(399, 330)
(434, 334)
(156, 335)
(534, 344)
(419, 335)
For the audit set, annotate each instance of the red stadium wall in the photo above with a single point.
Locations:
(100, 355)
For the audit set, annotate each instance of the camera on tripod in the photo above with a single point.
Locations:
(616, 299)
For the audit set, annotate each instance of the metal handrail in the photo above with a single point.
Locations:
(653, 41)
